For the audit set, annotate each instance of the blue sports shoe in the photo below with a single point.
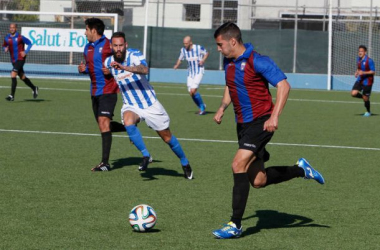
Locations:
(228, 231)
(310, 172)
(367, 114)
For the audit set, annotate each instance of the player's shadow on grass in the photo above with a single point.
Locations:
(206, 113)
(126, 162)
(372, 114)
(151, 173)
(270, 219)
(36, 100)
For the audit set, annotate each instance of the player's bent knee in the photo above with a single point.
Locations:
(238, 166)
(167, 138)
(165, 135)
(259, 184)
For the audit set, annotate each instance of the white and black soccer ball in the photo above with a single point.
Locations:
(142, 218)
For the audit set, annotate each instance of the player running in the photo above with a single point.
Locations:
(129, 68)
(247, 77)
(103, 86)
(15, 44)
(364, 78)
(196, 56)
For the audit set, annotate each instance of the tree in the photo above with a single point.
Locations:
(28, 5)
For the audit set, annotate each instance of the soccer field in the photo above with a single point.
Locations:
(51, 200)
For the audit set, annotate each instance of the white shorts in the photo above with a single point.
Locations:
(154, 116)
(193, 82)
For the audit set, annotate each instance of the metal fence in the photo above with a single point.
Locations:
(296, 36)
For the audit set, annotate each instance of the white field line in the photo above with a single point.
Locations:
(191, 139)
(216, 96)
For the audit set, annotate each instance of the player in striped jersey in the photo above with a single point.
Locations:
(15, 44)
(103, 86)
(364, 78)
(196, 56)
(128, 66)
(248, 75)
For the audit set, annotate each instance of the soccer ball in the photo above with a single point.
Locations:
(142, 218)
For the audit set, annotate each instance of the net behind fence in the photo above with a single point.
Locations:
(347, 36)
(57, 45)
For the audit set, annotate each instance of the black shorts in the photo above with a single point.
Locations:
(104, 105)
(360, 87)
(18, 66)
(252, 137)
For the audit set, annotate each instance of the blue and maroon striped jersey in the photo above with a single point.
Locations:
(16, 45)
(247, 78)
(365, 64)
(95, 54)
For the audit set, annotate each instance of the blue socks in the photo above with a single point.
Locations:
(177, 149)
(136, 138)
(197, 98)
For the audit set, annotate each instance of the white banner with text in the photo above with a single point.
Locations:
(59, 40)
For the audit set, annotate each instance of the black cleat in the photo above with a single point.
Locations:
(101, 167)
(187, 172)
(10, 98)
(145, 162)
(35, 92)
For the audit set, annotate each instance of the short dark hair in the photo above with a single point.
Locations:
(118, 34)
(363, 47)
(229, 30)
(95, 23)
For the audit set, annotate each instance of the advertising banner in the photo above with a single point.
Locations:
(59, 40)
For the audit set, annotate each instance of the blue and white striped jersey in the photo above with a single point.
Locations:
(193, 56)
(135, 88)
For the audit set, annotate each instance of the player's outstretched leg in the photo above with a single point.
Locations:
(173, 143)
(135, 136)
(310, 172)
(29, 83)
(201, 105)
(177, 149)
(116, 127)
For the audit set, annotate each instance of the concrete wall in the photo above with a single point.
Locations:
(53, 6)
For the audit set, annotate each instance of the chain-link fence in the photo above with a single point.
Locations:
(295, 35)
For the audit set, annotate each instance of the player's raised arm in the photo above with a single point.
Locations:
(138, 64)
(138, 69)
(283, 88)
(226, 101)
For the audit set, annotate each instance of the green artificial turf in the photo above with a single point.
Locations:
(51, 200)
